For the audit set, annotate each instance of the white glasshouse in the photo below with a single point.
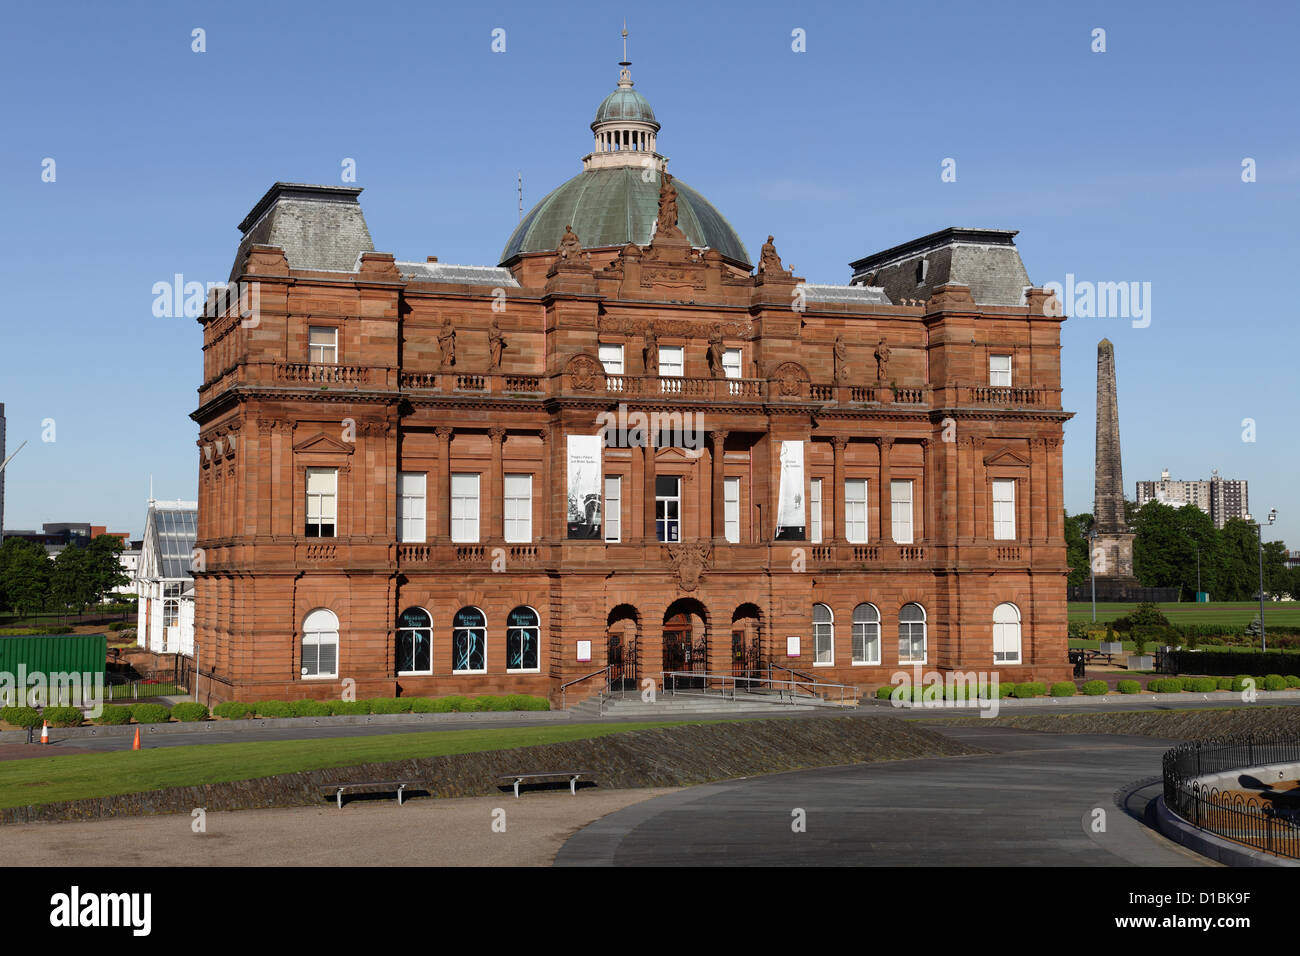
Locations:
(163, 578)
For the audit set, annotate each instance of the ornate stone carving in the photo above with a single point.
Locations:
(447, 344)
(790, 375)
(677, 328)
(841, 361)
(650, 350)
(839, 442)
(497, 433)
(570, 246)
(444, 431)
(496, 345)
(666, 226)
(690, 561)
(715, 352)
(585, 373)
(768, 260)
(882, 360)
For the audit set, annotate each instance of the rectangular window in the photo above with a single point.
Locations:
(519, 508)
(322, 493)
(1000, 370)
(611, 356)
(672, 361)
(855, 510)
(323, 345)
(900, 517)
(410, 506)
(815, 509)
(731, 368)
(464, 508)
(731, 509)
(613, 508)
(1004, 509)
(668, 507)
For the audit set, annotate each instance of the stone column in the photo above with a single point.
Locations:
(443, 509)
(547, 492)
(838, 534)
(927, 491)
(648, 470)
(497, 486)
(718, 502)
(886, 510)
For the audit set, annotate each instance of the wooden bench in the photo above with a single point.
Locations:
(572, 775)
(375, 786)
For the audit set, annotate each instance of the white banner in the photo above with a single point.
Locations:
(584, 453)
(790, 514)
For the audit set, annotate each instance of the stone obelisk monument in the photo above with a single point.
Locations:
(1113, 548)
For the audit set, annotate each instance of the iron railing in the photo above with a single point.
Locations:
(1272, 826)
(716, 685)
(564, 688)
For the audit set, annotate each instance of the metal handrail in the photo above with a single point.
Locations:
(735, 681)
(578, 680)
(808, 678)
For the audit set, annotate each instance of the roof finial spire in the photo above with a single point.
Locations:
(624, 74)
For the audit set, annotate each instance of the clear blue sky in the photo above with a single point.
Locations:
(1116, 166)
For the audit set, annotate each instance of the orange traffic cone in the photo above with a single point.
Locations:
(45, 731)
(136, 744)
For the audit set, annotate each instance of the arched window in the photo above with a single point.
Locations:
(522, 640)
(823, 635)
(469, 642)
(866, 634)
(320, 644)
(415, 642)
(911, 634)
(1006, 634)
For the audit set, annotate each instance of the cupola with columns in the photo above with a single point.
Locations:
(625, 127)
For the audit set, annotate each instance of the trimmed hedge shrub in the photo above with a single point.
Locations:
(150, 714)
(457, 702)
(1063, 688)
(426, 705)
(1128, 687)
(526, 702)
(1274, 682)
(274, 708)
(883, 693)
(1292, 680)
(21, 716)
(390, 705)
(1203, 685)
(311, 708)
(349, 707)
(1239, 682)
(1224, 683)
(114, 715)
(234, 710)
(1165, 685)
(190, 711)
(1029, 689)
(1094, 688)
(64, 716)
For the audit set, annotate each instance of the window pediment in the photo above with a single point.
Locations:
(322, 443)
(1004, 456)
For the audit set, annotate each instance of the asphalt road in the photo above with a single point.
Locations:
(1032, 802)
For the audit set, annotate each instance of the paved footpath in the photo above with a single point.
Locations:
(1029, 803)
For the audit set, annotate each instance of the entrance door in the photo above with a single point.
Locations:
(679, 654)
(622, 662)
(746, 654)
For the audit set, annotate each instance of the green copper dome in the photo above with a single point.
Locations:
(625, 104)
(615, 206)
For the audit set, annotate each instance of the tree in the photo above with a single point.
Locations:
(1240, 546)
(25, 571)
(104, 566)
(71, 585)
(1160, 549)
(1076, 547)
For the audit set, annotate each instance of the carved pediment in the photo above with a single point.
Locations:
(1005, 456)
(324, 444)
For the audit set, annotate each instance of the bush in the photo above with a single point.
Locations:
(390, 705)
(883, 693)
(149, 713)
(190, 711)
(1292, 680)
(1095, 688)
(1239, 682)
(424, 705)
(310, 708)
(1006, 690)
(1029, 689)
(456, 702)
(1274, 682)
(1076, 631)
(526, 702)
(1063, 688)
(234, 710)
(274, 708)
(1128, 687)
(1165, 685)
(1203, 685)
(21, 716)
(114, 715)
(64, 716)
(338, 707)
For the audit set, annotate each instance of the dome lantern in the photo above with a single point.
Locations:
(625, 127)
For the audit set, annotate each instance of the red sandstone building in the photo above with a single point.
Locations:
(623, 445)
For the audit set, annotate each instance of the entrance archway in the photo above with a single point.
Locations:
(621, 630)
(686, 643)
(747, 657)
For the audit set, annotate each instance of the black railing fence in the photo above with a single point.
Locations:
(1268, 822)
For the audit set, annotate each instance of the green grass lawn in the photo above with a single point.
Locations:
(1188, 612)
(48, 779)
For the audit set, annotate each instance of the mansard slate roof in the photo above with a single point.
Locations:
(320, 228)
(858, 294)
(461, 275)
(986, 260)
(612, 207)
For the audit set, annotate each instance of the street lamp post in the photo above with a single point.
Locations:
(1092, 570)
(1263, 635)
